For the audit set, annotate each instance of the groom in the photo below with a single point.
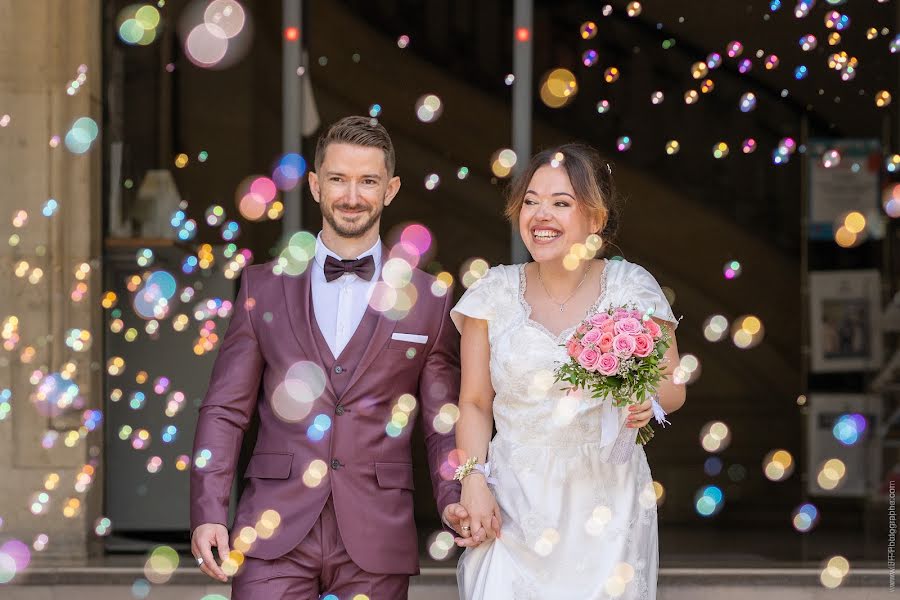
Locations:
(328, 502)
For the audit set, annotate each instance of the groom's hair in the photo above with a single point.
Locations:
(358, 131)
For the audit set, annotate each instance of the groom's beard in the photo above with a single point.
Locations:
(357, 229)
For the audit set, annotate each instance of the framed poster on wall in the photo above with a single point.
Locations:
(843, 449)
(845, 321)
(843, 177)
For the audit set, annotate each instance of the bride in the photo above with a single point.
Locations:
(566, 501)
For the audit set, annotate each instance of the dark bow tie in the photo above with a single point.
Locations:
(363, 268)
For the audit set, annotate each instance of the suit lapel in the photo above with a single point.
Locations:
(383, 331)
(298, 298)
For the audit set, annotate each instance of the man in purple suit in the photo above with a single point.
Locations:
(328, 502)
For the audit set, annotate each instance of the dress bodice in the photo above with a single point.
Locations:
(529, 407)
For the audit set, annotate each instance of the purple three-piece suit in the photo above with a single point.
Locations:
(357, 520)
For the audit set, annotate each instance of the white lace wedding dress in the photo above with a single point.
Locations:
(575, 491)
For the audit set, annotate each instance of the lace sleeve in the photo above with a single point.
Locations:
(479, 301)
(648, 296)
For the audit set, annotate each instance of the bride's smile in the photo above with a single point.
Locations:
(551, 220)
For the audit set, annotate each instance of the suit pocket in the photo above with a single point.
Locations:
(394, 475)
(270, 465)
(405, 345)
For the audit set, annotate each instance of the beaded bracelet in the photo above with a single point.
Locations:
(472, 466)
(465, 469)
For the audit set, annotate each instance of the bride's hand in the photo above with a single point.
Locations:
(639, 414)
(484, 512)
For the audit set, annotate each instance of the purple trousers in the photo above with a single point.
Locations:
(317, 568)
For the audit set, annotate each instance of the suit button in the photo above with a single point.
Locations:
(339, 369)
(339, 410)
(336, 464)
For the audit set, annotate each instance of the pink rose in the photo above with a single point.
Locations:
(629, 325)
(573, 348)
(621, 313)
(636, 314)
(643, 345)
(591, 338)
(608, 364)
(608, 326)
(623, 345)
(588, 359)
(583, 329)
(653, 328)
(599, 319)
(606, 341)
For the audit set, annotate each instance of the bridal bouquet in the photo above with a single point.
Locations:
(618, 353)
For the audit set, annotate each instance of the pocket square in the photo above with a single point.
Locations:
(410, 337)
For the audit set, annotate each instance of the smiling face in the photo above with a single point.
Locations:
(551, 219)
(352, 188)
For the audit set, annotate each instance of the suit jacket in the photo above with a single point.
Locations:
(365, 467)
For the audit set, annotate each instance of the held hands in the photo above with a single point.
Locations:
(203, 539)
(457, 517)
(482, 518)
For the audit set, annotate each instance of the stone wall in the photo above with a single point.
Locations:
(42, 45)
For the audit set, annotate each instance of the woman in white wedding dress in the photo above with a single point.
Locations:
(566, 500)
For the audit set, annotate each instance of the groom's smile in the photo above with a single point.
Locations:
(352, 187)
(352, 212)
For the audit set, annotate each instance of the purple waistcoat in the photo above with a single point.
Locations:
(340, 370)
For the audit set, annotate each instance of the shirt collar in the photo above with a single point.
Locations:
(323, 251)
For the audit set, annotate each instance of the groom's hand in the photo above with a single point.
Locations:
(454, 516)
(202, 540)
(457, 517)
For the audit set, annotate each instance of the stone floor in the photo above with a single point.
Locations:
(113, 581)
(431, 592)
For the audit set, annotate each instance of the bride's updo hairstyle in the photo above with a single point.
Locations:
(590, 176)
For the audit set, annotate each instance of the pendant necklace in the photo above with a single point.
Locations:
(562, 305)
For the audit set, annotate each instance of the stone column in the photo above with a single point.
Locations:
(50, 277)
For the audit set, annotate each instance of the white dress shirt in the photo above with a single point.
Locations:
(340, 305)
